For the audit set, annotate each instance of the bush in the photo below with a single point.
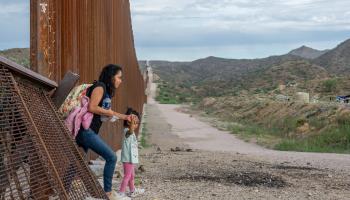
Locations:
(343, 119)
(330, 85)
(301, 122)
(333, 140)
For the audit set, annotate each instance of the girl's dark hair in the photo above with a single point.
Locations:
(129, 112)
(106, 76)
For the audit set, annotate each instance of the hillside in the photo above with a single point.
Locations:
(18, 55)
(337, 60)
(214, 68)
(307, 52)
(299, 72)
(258, 100)
(214, 76)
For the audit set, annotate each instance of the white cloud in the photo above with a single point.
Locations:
(199, 23)
(241, 14)
(12, 9)
(14, 23)
(210, 24)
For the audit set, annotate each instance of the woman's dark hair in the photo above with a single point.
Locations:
(106, 76)
(131, 111)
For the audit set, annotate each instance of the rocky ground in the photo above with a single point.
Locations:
(186, 173)
(210, 175)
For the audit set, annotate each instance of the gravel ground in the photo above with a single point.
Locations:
(186, 172)
(211, 175)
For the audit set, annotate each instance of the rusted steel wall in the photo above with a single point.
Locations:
(43, 39)
(89, 35)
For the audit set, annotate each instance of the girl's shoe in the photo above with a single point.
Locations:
(136, 192)
(119, 196)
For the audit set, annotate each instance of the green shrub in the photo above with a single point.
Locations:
(333, 140)
(330, 85)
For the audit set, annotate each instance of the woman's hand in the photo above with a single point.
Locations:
(122, 116)
(131, 118)
(133, 124)
(135, 118)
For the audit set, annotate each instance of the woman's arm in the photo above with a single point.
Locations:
(95, 99)
(122, 116)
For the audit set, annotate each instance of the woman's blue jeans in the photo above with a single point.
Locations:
(88, 139)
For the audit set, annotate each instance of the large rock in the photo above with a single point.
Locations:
(208, 101)
(305, 128)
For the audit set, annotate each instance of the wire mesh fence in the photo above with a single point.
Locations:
(38, 159)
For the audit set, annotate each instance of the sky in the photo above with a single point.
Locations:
(185, 30)
(192, 29)
(14, 24)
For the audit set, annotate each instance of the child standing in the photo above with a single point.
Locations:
(130, 155)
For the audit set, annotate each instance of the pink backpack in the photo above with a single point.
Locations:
(73, 99)
(79, 117)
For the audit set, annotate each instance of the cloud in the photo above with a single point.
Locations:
(246, 15)
(14, 23)
(202, 23)
(13, 8)
(211, 26)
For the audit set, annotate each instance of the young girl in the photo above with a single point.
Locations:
(130, 155)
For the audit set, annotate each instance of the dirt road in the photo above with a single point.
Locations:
(212, 164)
(200, 135)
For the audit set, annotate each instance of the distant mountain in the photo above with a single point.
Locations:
(213, 76)
(307, 52)
(336, 60)
(214, 68)
(18, 55)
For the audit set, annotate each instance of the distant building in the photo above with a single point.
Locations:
(303, 97)
(281, 87)
(343, 99)
(282, 98)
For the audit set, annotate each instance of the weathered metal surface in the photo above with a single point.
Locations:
(38, 159)
(66, 85)
(88, 35)
(44, 49)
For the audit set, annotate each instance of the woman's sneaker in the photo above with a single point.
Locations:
(136, 192)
